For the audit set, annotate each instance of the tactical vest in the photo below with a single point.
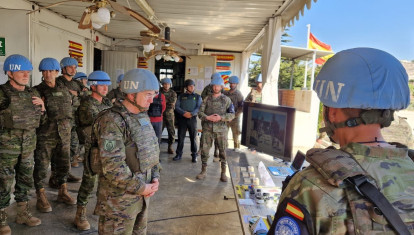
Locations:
(213, 107)
(141, 143)
(58, 103)
(338, 168)
(71, 85)
(188, 102)
(21, 112)
(155, 109)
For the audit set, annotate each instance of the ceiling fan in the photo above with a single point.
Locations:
(98, 15)
(167, 52)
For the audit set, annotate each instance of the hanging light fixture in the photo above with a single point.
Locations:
(149, 47)
(167, 57)
(101, 17)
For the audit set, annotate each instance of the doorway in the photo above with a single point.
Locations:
(172, 70)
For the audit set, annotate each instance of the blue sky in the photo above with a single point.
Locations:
(383, 24)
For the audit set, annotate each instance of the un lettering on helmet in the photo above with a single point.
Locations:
(15, 67)
(331, 90)
(130, 85)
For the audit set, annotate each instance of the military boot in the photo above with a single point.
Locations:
(223, 177)
(81, 221)
(194, 158)
(4, 227)
(170, 150)
(42, 204)
(203, 172)
(24, 216)
(53, 181)
(63, 195)
(177, 158)
(73, 179)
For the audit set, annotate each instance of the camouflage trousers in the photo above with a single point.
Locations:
(54, 145)
(235, 129)
(216, 150)
(168, 121)
(88, 180)
(220, 139)
(108, 225)
(19, 167)
(74, 143)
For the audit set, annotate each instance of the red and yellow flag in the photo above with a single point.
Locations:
(314, 43)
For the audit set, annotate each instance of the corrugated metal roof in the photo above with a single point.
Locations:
(228, 25)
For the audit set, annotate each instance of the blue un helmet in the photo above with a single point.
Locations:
(215, 75)
(14, 63)
(68, 61)
(99, 78)
(120, 78)
(49, 64)
(258, 78)
(217, 81)
(363, 78)
(80, 76)
(137, 80)
(234, 79)
(166, 80)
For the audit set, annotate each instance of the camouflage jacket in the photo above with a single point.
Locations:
(115, 94)
(237, 99)
(73, 85)
(17, 141)
(254, 96)
(335, 207)
(222, 106)
(170, 98)
(119, 187)
(208, 90)
(87, 112)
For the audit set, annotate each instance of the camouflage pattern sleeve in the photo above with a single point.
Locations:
(239, 104)
(113, 159)
(201, 113)
(43, 118)
(249, 97)
(205, 92)
(174, 99)
(85, 114)
(111, 94)
(229, 115)
(4, 100)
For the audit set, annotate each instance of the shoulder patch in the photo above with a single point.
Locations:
(291, 218)
(109, 145)
(287, 225)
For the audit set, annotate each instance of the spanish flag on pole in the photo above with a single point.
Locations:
(314, 43)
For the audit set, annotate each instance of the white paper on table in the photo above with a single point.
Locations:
(247, 202)
(265, 177)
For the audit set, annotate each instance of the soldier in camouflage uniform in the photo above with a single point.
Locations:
(128, 157)
(366, 186)
(168, 115)
(215, 111)
(88, 110)
(208, 90)
(237, 99)
(82, 77)
(53, 135)
(21, 110)
(255, 94)
(116, 93)
(77, 89)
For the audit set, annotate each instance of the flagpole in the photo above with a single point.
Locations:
(306, 62)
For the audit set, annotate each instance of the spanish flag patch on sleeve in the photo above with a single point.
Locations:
(291, 218)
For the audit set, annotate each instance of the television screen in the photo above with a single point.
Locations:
(268, 129)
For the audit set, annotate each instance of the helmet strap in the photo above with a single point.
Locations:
(18, 83)
(374, 116)
(140, 108)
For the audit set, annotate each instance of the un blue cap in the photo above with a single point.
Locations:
(215, 75)
(120, 78)
(137, 80)
(49, 64)
(234, 79)
(80, 75)
(68, 61)
(17, 62)
(99, 78)
(217, 81)
(364, 78)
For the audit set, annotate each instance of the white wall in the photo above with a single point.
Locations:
(118, 62)
(44, 34)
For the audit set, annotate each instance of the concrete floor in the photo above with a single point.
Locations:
(183, 205)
